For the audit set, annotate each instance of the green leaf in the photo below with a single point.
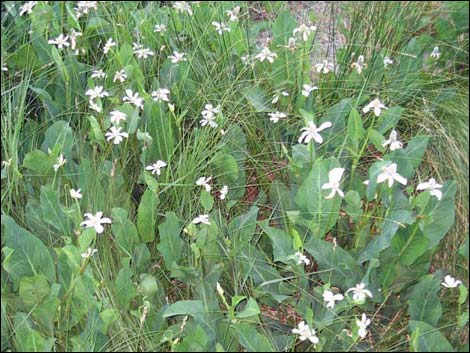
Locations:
(463, 250)
(280, 240)
(171, 244)
(334, 136)
(251, 309)
(27, 339)
(124, 230)
(52, 211)
(97, 135)
(353, 205)
(355, 131)
(322, 213)
(148, 285)
(389, 119)
(207, 201)
(124, 288)
(252, 340)
(33, 290)
(463, 293)
(193, 308)
(425, 338)
(409, 158)
(439, 215)
(39, 162)
(242, 228)
(59, 133)
(257, 98)
(409, 246)
(424, 303)
(147, 216)
(336, 265)
(25, 255)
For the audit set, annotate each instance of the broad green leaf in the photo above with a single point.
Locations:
(147, 216)
(389, 118)
(425, 338)
(28, 339)
(409, 158)
(148, 285)
(409, 245)
(336, 114)
(257, 98)
(355, 131)
(280, 240)
(193, 308)
(33, 290)
(397, 215)
(226, 168)
(336, 265)
(463, 250)
(463, 293)
(242, 228)
(170, 244)
(207, 201)
(424, 303)
(252, 340)
(52, 211)
(322, 213)
(25, 255)
(251, 309)
(353, 205)
(59, 133)
(439, 215)
(124, 230)
(97, 134)
(39, 162)
(124, 288)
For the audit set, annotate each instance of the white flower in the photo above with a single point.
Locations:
(95, 221)
(61, 41)
(435, 53)
(450, 282)
(393, 142)
(27, 7)
(277, 95)
(387, 61)
(117, 116)
(432, 186)
(304, 30)
(94, 106)
(156, 167)
(390, 173)
(60, 162)
(202, 218)
(274, 117)
(160, 28)
(223, 192)
(306, 332)
(359, 65)
(302, 259)
(359, 292)
(208, 115)
(266, 54)
(233, 13)
(7, 163)
(330, 298)
(324, 67)
(120, 76)
(220, 27)
(97, 92)
(203, 181)
(98, 74)
(307, 89)
(108, 45)
(141, 52)
(362, 326)
(311, 132)
(73, 39)
(133, 98)
(161, 94)
(182, 6)
(334, 177)
(89, 253)
(83, 7)
(76, 194)
(115, 134)
(377, 105)
(177, 57)
(4, 68)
